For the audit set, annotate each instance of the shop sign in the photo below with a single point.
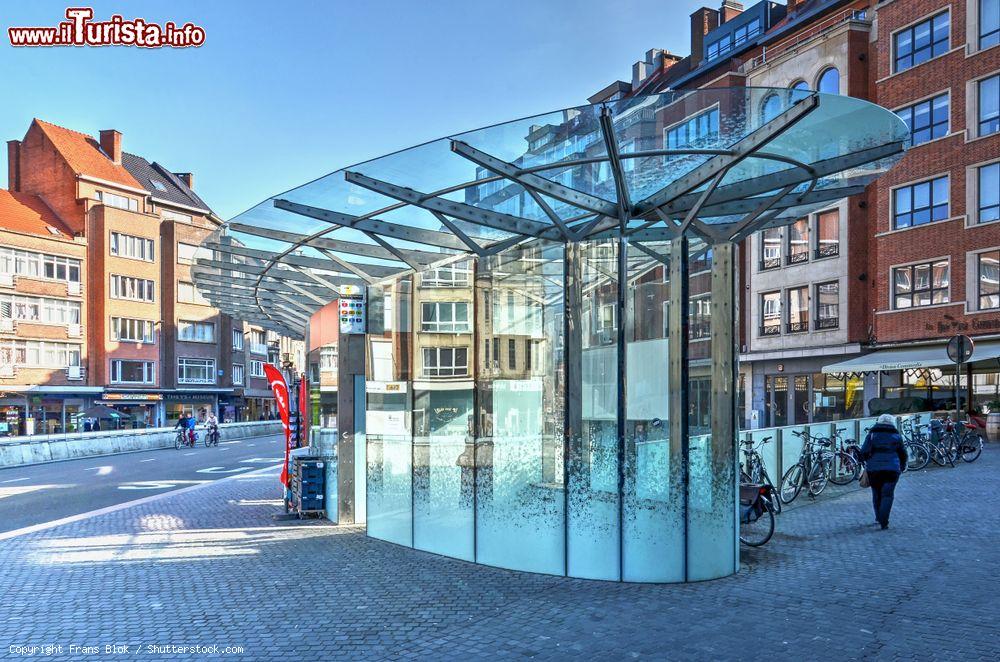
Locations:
(133, 397)
(182, 397)
(352, 309)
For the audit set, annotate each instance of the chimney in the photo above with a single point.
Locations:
(703, 21)
(730, 10)
(187, 178)
(792, 5)
(111, 143)
(14, 165)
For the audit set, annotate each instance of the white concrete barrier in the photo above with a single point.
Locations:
(17, 451)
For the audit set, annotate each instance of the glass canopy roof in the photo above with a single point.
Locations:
(720, 162)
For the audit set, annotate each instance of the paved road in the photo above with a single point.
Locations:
(45, 492)
(211, 566)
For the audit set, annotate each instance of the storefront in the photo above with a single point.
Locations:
(44, 410)
(191, 403)
(139, 410)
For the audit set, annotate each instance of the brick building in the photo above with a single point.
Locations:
(150, 346)
(870, 276)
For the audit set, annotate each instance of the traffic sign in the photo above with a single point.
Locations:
(960, 349)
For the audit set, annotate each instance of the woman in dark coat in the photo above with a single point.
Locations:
(885, 458)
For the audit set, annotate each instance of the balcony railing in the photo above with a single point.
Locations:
(771, 53)
(827, 323)
(774, 330)
(797, 258)
(827, 250)
(770, 263)
(798, 327)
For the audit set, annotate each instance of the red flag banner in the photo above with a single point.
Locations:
(280, 389)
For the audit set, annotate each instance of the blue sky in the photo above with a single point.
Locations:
(283, 92)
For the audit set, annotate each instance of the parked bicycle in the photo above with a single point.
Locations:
(811, 471)
(847, 463)
(964, 440)
(753, 471)
(756, 515)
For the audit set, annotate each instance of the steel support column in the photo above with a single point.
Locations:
(573, 367)
(677, 370)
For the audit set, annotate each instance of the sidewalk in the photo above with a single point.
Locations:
(210, 566)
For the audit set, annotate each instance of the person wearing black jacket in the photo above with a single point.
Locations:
(885, 458)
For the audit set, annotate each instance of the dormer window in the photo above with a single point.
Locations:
(158, 185)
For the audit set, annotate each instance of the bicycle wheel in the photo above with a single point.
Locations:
(917, 456)
(791, 483)
(756, 531)
(939, 455)
(819, 477)
(208, 439)
(972, 446)
(177, 442)
(850, 470)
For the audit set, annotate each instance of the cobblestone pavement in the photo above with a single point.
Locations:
(210, 566)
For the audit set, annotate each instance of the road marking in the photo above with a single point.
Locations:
(15, 480)
(262, 460)
(102, 470)
(222, 470)
(152, 459)
(127, 504)
(186, 454)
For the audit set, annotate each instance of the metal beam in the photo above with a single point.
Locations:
(271, 284)
(772, 182)
(293, 259)
(286, 274)
(338, 245)
(615, 161)
(741, 150)
(814, 197)
(460, 210)
(351, 268)
(533, 182)
(383, 228)
(458, 232)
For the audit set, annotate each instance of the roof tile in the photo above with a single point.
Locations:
(26, 213)
(84, 155)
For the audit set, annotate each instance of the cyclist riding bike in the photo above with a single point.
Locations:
(187, 423)
(213, 426)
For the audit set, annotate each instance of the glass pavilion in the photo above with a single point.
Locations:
(550, 357)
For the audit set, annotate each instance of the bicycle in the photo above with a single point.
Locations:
(917, 446)
(185, 438)
(964, 440)
(212, 437)
(756, 473)
(847, 458)
(812, 469)
(757, 515)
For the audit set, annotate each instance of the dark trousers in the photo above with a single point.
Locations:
(883, 484)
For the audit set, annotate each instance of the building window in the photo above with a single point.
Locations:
(258, 342)
(188, 293)
(237, 339)
(445, 317)
(125, 329)
(919, 204)
(512, 354)
(446, 361)
(798, 309)
(798, 241)
(188, 253)
(800, 85)
(828, 305)
(195, 371)
(41, 310)
(256, 368)
(989, 23)
(136, 248)
(921, 285)
(988, 187)
(989, 280)
(132, 372)
(606, 321)
(699, 129)
(528, 350)
(828, 234)
(921, 42)
(829, 81)
(927, 120)
(38, 265)
(239, 374)
(770, 249)
(38, 354)
(328, 358)
(196, 331)
(457, 274)
(771, 108)
(989, 105)
(118, 201)
(700, 317)
(734, 40)
(770, 314)
(132, 289)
